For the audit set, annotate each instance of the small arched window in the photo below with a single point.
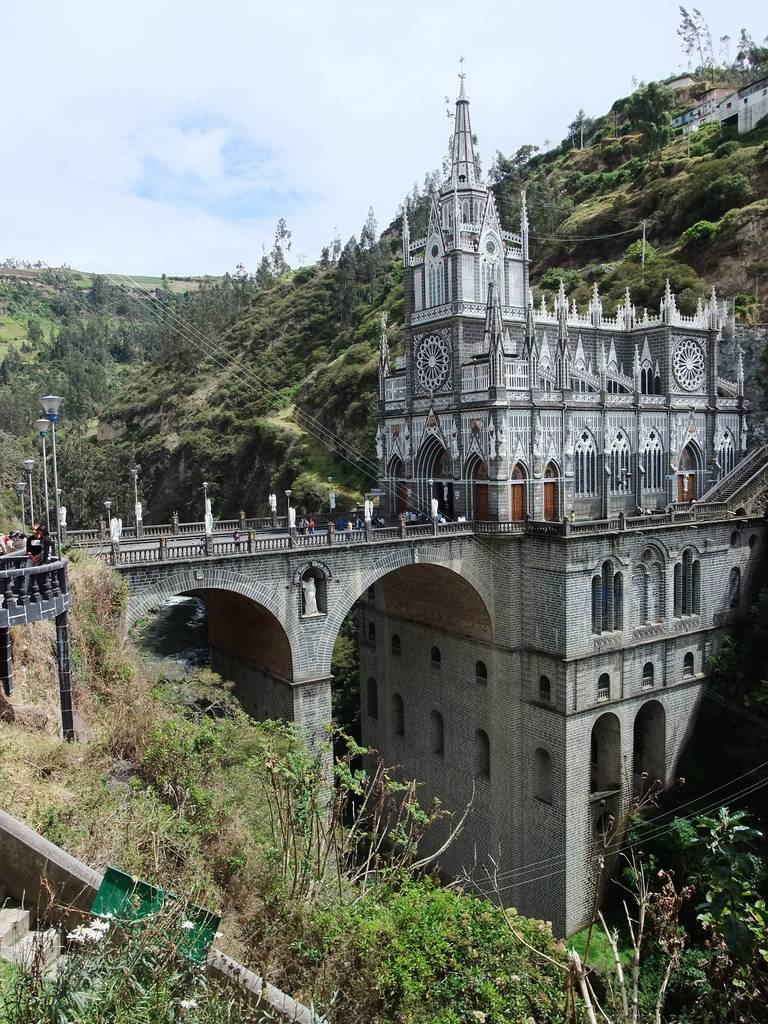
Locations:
(545, 689)
(604, 687)
(436, 657)
(482, 755)
(734, 587)
(438, 733)
(726, 453)
(688, 665)
(398, 715)
(542, 767)
(481, 673)
(395, 643)
(597, 605)
(648, 675)
(372, 691)
(371, 632)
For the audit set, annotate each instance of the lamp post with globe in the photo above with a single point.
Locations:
(29, 465)
(21, 489)
(51, 405)
(43, 426)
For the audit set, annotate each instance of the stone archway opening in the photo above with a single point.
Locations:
(605, 754)
(235, 636)
(649, 747)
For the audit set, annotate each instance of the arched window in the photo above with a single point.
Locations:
(436, 657)
(726, 453)
(696, 587)
(678, 589)
(688, 665)
(372, 691)
(648, 675)
(435, 283)
(653, 463)
(482, 755)
(605, 751)
(585, 466)
(687, 474)
(688, 585)
(611, 598)
(438, 733)
(542, 768)
(604, 687)
(618, 601)
(481, 673)
(371, 632)
(734, 587)
(395, 643)
(619, 457)
(640, 594)
(398, 715)
(545, 689)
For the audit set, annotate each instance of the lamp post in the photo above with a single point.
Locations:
(331, 497)
(51, 405)
(21, 487)
(43, 425)
(135, 474)
(288, 494)
(29, 465)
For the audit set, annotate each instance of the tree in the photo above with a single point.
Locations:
(648, 111)
(369, 232)
(696, 39)
(34, 331)
(281, 248)
(577, 128)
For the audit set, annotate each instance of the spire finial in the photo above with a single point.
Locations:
(462, 76)
(463, 169)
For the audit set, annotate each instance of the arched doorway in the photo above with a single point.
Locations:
(479, 477)
(605, 754)
(688, 471)
(435, 476)
(518, 494)
(551, 502)
(649, 747)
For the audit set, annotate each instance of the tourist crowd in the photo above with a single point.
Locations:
(37, 545)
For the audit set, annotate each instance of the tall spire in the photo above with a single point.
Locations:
(462, 151)
(494, 337)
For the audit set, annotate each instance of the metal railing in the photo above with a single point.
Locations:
(30, 591)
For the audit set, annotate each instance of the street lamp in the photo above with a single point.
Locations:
(331, 496)
(29, 465)
(135, 474)
(43, 426)
(51, 405)
(288, 494)
(21, 487)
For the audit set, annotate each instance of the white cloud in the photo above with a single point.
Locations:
(168, 137)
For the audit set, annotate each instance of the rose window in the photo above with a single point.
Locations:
(688, 363)
(432, 362)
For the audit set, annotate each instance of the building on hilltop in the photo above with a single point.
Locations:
(555, 682)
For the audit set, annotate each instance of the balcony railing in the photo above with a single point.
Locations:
(29, 593)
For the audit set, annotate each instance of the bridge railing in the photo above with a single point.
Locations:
(26, 587)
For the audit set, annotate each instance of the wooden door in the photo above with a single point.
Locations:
(481, 502)
(550, 500)
(518, 502)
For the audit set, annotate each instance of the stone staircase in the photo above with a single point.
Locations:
(751, 470)
(20, 942)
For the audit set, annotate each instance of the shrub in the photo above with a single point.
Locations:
(551, 278)
(698, 234)
(726, 148)
(724, 193)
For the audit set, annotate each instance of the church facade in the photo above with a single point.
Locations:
(585, 437)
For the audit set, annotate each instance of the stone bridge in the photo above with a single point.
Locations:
(265, 637)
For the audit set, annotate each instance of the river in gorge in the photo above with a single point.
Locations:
(176, 635)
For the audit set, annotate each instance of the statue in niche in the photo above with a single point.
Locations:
(309, 592)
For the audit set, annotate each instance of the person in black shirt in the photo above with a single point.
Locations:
(34, 546)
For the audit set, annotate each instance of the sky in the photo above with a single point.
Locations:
(164, 137)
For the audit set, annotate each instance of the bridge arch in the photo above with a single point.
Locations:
(252, 641)
(443, 567)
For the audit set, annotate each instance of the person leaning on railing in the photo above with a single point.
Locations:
(39, 546)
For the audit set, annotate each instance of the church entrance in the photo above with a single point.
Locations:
(443, 491)
(517, 494)
(550, 493)
(480, 491)
(687, 475)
